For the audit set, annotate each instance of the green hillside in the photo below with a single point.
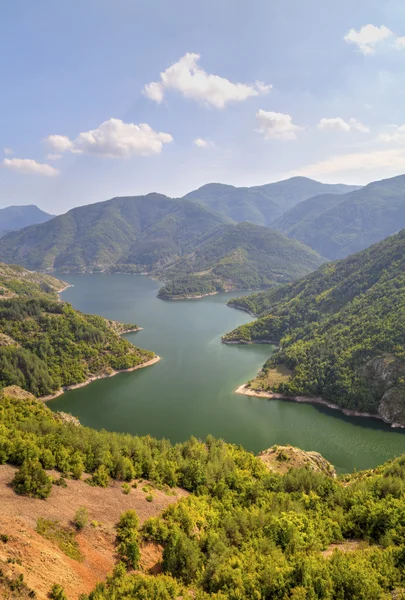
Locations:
(263, 204)
(338, 226)
(46, 344)
(129, 233)
(244, 532)
(17, 217)
(242, 256)
(340, 330)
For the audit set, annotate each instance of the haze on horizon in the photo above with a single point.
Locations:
(107, 98)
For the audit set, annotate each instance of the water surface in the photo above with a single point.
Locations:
(191, 390)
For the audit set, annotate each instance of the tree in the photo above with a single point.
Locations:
(31, 480)
(128, 539)
(81, 518)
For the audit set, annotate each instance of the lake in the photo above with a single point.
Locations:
(191, 390)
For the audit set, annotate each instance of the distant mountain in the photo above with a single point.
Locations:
(340, 332)
(336, 226)
(243, 256)
(263, 204)
(131, 233)
(17, 217)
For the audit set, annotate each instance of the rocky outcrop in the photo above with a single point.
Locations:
(68, 419)
(280, 459)
(392, 406)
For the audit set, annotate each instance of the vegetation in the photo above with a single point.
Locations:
(57, 592)
(81, 518)
(340, 331)
(244, 532)
(17, 217)
(63, 537)
(336, 226)
(242, 256)
(31, 480)
(263, 204)
(46, 344)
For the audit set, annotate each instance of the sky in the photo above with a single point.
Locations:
(104, 98)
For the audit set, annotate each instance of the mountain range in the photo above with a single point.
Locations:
(17, 217)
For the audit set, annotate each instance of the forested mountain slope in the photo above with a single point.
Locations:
(244, 531)
(136, 233)
(46, 344)
(338, 226)
(243, 256)
(17, 217)
(263, 204)
(340, 330)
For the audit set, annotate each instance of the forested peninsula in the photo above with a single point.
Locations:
(46, 345)
(339, 331)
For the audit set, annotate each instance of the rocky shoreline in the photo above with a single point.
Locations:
(244, 390)
(92, 378)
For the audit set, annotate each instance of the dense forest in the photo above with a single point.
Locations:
(336, 226)
(340, 331)
(242, 256)
(46, 344)
(243, 533)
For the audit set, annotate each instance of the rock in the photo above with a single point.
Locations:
(67, 419)
(392, 406)
(17, 393)
(280, 459)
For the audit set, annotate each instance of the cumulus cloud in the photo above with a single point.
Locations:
(276, 125)
(396, 134)
(113, 139)
(186, 77)
(201, 143)
(8, 151)
(368, 37)
(393, 159)
(339, 124)
(29, 167)
(400, 43)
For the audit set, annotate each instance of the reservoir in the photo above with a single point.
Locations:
(191, 390)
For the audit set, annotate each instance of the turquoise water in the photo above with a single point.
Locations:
(191, 390)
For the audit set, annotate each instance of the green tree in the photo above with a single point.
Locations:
(31, 480)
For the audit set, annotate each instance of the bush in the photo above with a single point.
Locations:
(101, 477)
(81, 518)
(126, 488)
(57, 592)
(31, 480)
(128, 539)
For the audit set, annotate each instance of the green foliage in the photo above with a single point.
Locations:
(242, 256)
(128, 539)
(31, 480)
(57, 592)
(336, 226)
(63, 537)
(340, 330)
(81, 518)
(46, 344)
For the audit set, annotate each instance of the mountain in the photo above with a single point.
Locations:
(46, 344)
(17, 217)
(263, 204)
(243, 256)
(133, 233)
(340, 332)
(336, 226)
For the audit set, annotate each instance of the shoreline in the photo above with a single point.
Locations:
(244, 390)
(188, 297)
(245, 343)
(92, 378)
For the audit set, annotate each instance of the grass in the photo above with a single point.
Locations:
(273, 377)
(63, 537)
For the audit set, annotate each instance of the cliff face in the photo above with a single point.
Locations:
(279, 459)
(385, 376)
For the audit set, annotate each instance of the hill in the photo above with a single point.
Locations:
(46, 344)
(336, 226)
(243, 531)
(17, 217)
(340, 332)
(243, 256)
(263, 204)
(132, 233)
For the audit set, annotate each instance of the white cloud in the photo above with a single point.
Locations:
(8, 151)
(201, 143)
(54, 157)
(339, 124)
(29, 166)
(396, 134)
(368, 37)
(393, 159)
(114, 139)
(400, 43)
(276, 125)
(186, 77)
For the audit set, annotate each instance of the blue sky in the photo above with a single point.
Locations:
(250, 92)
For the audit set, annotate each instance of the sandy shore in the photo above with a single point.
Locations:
(244, 390)
(92, 378)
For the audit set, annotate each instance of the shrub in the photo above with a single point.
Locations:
(128, 539)
(81, 518)
(57, 592)
(126, 488)
(149, 498)
(31, 480)
(101, 477)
